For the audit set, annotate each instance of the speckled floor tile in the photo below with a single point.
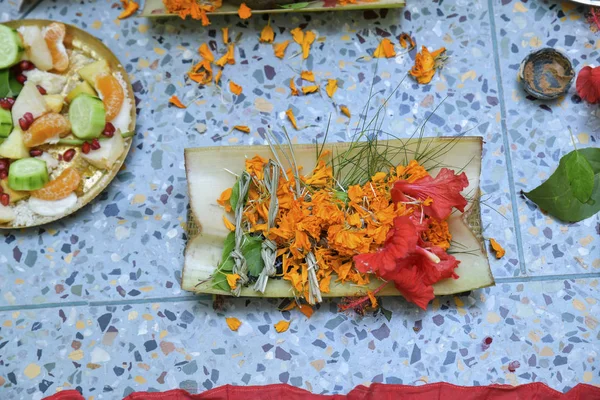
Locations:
(129, 243)
(539, 132)
(9, 10)
(540, 332)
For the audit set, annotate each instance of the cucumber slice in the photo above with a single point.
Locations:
(82, 87)
(11, 47)
(5, 123)
(87, 116)
(27, 174)
(4, 83)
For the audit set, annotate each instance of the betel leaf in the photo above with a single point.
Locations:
(295, 6)
(556, 197)
(251, 250)
(219, 280)
(580, 175)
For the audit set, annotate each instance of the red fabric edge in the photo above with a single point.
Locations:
(439, 390)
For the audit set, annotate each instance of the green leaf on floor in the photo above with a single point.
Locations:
(560, 195)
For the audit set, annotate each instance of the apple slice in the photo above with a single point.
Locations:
(54, 102)
(6, 214)
(13, 147)
(13, 194)
(29, 100)
(36, 48)
(91, 71)
(107, 154)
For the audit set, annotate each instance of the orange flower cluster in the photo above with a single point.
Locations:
(202, 72)
(335, 225)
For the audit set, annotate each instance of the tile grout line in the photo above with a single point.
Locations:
(30, 9)
(511, 180)
(198, 298)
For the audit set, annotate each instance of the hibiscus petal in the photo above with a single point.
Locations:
(412, 287)
(444, 189)
(588, 84)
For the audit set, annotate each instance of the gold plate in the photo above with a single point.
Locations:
(95, 180)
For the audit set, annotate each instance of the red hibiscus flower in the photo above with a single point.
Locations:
(444, 190)
(588, 84)
(413, 265)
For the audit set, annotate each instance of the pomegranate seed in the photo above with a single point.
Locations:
(85, 148)
(41, 89)
(4, 199)
(7, 103)
(95, 144)
(3, 174)
(26, 121)
(35, 153)
(109, 130)
(21, 79)
(3, 165)
(513, 365)
(28, 117)
(26, 65)
(68, 155)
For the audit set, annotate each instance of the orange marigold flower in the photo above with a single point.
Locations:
(500, 252)
(205, 52)
(267, 34)
(233, 323)
(279, 48)
(425, 65)
(255, 166)
(307, 76)
(331, 87)
(235, 88)
(176, 102)
(201, 72)
(385, 49)
(438, 234)
(292, 118)
(244, 11)
(129, 7)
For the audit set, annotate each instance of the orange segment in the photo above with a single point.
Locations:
(112, 94)
(45, 128)
(59, 188)
(54, 35)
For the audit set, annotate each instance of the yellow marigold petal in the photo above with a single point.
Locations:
(293, 88)
(438, 52)
(309, 38)
(225, 31)
(385, 49)
(228, 58)
(372, 298)
(233, 323)
(379, 176)
(242, 128)
(206, 53)
(345, 111)
(176, 102)
(223, 199)
(204, 18)
(228, 224)
(235, 88)
(279, 49)
(307, 76)
(497, 248)
(130, 7)
(406, 40)
(232, 280)
(292, 118)
(297, 35)
(244, 11)
(282, 326)
(331, 87)
(267, 34)
(324, 284)
(218, 76)
(309, 89)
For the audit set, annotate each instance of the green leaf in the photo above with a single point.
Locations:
(220, 282)
(295, 6)
(235, 194)
(251, 251)
(386, 313)
(580, 175)
(556, 196)
(228, 246)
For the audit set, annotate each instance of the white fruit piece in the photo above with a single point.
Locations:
(52, 83)
(52, 208)
(13, 147)
(123, 119)
(91, 71)
(36, 48)
(107, 154)
(6, 214)
(29, 100)
(54, 102)
(51, 162)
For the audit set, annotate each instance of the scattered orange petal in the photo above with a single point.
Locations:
(331, 87)
(129, 7)
(309, 38)
(292, 118)
(228, 58)
(267, 34)
(309, 89)
(176, 102)
(293, 88)
(235, 88)
(228, 224)
(244, 11)
(345, 111)
(204, 18)
(306, 310)
(225, 34)
(218, 76)
(308, 76)
(371, 298)
(232, 280)
(497, 248)
(406, 40)
(385, 49)
(206, 53)
(201, 72)
(233, 323)
(279, 49)
(282, 326)
(297, 35)
(242, 128)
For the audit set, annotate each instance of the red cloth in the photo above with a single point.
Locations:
(377, 391)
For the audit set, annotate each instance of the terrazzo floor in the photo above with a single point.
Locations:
(94, 302)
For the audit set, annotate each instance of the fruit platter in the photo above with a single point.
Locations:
(67, 117)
